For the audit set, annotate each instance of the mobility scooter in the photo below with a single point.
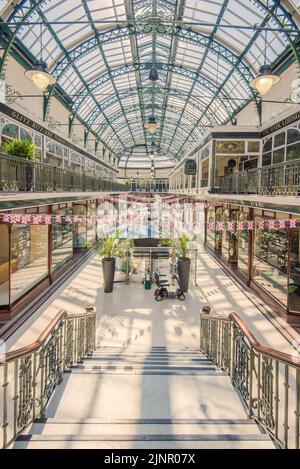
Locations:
(162, 291)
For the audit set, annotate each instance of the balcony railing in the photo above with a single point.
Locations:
(283, 178)
(29, 376)
(267, 380)
(18, 174)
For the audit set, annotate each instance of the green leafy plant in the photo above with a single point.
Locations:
(23, 149)
(127, 182)
(182, 246)
(112, 246)
(179, 244)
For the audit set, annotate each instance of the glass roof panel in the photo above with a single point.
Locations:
(204, 71)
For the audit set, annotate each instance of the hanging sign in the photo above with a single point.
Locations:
(190, 167)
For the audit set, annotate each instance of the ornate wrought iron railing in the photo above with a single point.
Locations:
(283, 178)
(29, 376)
(268, 381)
(18, 174)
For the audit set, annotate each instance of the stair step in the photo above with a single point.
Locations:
(81, 369)
(137, 427)
(147, 421)
(145, 445)
(146, 437)
(95, 365)
(148, 360)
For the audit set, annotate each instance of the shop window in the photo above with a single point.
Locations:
(62, 240)
(243, 246)
(233, 239)
(294, 274)
(210, 238)
(38, 141)
(267, 159)
(24, 135)
(91, 227)
(279, 140)
(253, 147)
(293, 152)
(10, 130)
(29, 257)
(293, 136)
(251, 163)
(218, 235)
(278, 156)
(225, 235)
(267, 146)
(4, 266)
(79, 229)
(270, 262)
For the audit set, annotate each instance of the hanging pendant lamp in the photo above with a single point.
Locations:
(152, 125)
(153, 74)
(39, 74)
(265, 79)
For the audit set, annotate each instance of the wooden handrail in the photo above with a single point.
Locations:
(270, 352)
(62, 314)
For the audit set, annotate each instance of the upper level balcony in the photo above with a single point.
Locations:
(18, 174)
(278, 179)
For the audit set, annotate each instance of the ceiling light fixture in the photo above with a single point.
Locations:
(152, 125)
(153, 74)
(265, 80)
(39, 74)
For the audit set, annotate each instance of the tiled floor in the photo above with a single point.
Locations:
(131, 316)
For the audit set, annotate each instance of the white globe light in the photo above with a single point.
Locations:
(265, 81)
(40, 76)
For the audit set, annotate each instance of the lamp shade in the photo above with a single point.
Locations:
(265, 81)
(40, 76)
(153, 74)
(152, 125)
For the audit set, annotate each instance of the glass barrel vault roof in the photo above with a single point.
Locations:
(101, 54)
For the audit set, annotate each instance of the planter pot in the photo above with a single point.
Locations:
(108, 268)
(184, 266)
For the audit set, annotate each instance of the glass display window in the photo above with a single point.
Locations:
(270, 262)
(4, 265)
(218, 234)
(91, 227)
(225, 235)
(79, 229)
(294, 272)
(233, 238)
(210, 235)
(29, 258)
(243, 246)
(62, 240)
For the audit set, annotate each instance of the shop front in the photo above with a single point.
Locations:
(34, 255)
(261, 247)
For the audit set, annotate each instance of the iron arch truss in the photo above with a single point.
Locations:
(205, 52)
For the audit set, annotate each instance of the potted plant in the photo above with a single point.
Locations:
(23, 149)
(184, 263)
(112, 247)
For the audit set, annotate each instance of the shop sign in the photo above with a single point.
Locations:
(190, 167)
(280, 125)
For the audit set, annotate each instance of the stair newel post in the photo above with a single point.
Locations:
(4, 404)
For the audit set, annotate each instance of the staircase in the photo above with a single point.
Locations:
(164, 398)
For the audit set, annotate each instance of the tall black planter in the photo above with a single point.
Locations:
(184, 266)
(108, 268)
